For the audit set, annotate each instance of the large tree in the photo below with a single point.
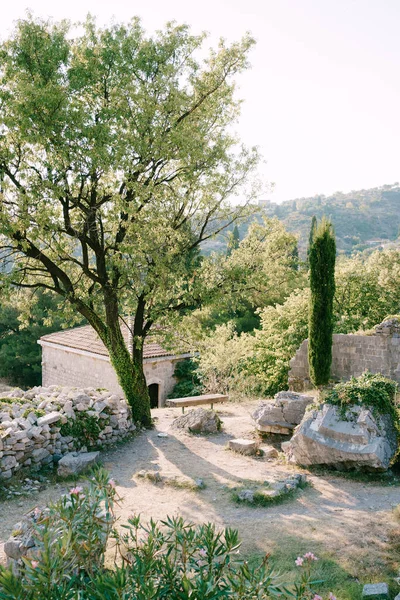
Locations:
(117, 159)
(322, 257)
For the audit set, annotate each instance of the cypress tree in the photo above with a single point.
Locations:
(311, 236)
(234, 241)
(322, 256)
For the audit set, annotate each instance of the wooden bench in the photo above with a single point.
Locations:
(198, 400)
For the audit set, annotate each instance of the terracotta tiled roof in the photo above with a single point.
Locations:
(85, 338)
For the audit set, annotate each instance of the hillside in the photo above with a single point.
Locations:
(363, 219)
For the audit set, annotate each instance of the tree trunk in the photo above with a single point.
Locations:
(131, 379)
(129, 369)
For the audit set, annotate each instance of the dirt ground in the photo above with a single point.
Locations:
(335, 516)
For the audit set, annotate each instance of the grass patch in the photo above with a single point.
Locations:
(175, 482)
(264, 494)
(183, 484)
(338, 575)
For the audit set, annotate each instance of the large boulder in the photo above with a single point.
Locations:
(198, 421)
(354, 440)
(282, 414)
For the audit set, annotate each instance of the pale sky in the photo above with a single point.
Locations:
(322, 99)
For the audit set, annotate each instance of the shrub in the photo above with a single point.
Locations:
(188, 382)
(172, 560)
(85, 429)
(372, 390)
(283, 328)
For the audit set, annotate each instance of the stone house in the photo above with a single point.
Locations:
(77, 357)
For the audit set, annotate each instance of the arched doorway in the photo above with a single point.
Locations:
(154, 393)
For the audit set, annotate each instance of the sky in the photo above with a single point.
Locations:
(322, 98)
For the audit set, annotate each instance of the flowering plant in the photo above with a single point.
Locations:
(171, 560)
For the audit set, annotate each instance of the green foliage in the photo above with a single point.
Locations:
(38, 412)
(322, 257)
(222, 361)
(233, 241)
(367, 290)
(283, 328)
(372, 390)
(117, 161)
(263, 270)
(7, 400)
(23, 320)
(173, 559)
(84, 428)
(188, 382)
(311, 236)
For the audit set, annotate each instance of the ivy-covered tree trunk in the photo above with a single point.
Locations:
(129, 369)
(322, 257)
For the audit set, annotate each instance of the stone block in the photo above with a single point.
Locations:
(39, 454)
(242, 446)
(376, 591)
(50, 418)
(72, 464)
(270, 451)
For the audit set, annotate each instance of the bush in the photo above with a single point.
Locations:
(283, 328)
(173, 560)
(222, 361)
(84, 428)
(374, 391)
(188, 382)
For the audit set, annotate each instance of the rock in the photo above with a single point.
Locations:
(12, 548)
(72, 465)
(356, 441)
(269, 451)
(199, 483)
(8, 462)
(50, 418)
(246, 496)
(198, 421)
(154, 476)
(40, 454)
(282, 414)
(376, 591)
(247, 447)
(162, 434)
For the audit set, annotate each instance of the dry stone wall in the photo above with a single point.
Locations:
(354, 354)
(31, 424)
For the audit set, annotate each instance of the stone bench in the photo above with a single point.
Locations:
(198, 400)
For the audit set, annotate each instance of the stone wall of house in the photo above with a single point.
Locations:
(73, 368)
(31, 424)
(353, 354)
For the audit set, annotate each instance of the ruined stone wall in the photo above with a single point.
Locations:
(70, 368)
(352, 355)
(31, 432)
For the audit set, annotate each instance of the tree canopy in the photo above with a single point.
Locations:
(117, 159)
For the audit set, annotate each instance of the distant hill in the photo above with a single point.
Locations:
(363, 219)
